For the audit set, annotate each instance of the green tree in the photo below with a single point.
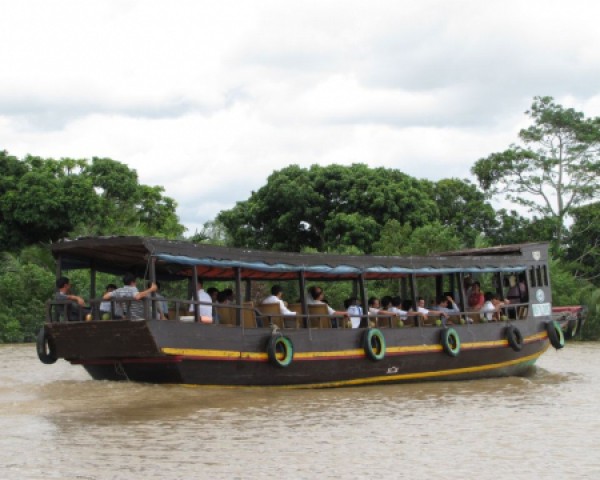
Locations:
(464, 209)
(328, 207)
(515, 228)
(42, 200)
(394, 236)
(431, 238)
(591, 329)
(556, 168)
(583, 246)
(25, 285)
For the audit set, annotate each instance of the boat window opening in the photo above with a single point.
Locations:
(532, 277)
(487, 282)
(538, 274)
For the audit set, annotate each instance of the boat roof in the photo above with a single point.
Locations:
(177, 258)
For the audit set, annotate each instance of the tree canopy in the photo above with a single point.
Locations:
(556, 168)
(42, 200)
(583, 250)
(332, 207)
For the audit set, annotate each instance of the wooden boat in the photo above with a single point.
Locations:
(256, 347)
(571, 318)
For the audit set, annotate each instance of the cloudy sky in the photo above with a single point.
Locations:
(208, 98)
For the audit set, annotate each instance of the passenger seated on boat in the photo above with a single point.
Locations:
(397, 310)
(162, 308)
(386, 303)
(374, 305)
(475, 298)
(277, 298)
(105, 307)
(133, 308)
(205, 309)
(420, 312)
(385, 317)
(412, 314)
(316, 297)
(421, 306)
(516, 293)
(213, 292)
(354, 311)
(221, 314)
(73, 307)
(446, 307)
(491, 310)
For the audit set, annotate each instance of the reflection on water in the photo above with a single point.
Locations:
(542, 426)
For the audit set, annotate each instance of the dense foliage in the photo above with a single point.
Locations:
(336, 206)
(42, 200)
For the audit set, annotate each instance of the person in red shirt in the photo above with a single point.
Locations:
(475, 297)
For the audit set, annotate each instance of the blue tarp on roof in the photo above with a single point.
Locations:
(329, 269)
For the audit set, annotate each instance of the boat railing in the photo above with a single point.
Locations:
(249, 316)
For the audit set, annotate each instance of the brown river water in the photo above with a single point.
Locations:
(57, 423)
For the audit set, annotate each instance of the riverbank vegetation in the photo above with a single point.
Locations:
(552, 173)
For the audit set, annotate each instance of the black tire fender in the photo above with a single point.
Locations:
(280, 351)
(450, 341)
(46, 349)
(514, 338)
(555, 334)
(374, 344)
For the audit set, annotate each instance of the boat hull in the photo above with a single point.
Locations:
(190, 353)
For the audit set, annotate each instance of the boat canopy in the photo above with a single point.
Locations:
(179, 259)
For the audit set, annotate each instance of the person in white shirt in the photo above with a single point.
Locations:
(205, 310)
(491, 310)
(316, 296)
(277, 297)
(421, 306)
(354, 311)
(374, 306)
(397, 310)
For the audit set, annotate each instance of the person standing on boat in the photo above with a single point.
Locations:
(130, 292)
(277, 297)
(205, 308)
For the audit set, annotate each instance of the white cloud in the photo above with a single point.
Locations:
(207, 98)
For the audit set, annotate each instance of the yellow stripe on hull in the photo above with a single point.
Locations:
(392, 378)
(340, 354)
(422, 375)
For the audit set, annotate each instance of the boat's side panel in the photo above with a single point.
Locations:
(175, 352)
(92, 340)
(337, 356)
